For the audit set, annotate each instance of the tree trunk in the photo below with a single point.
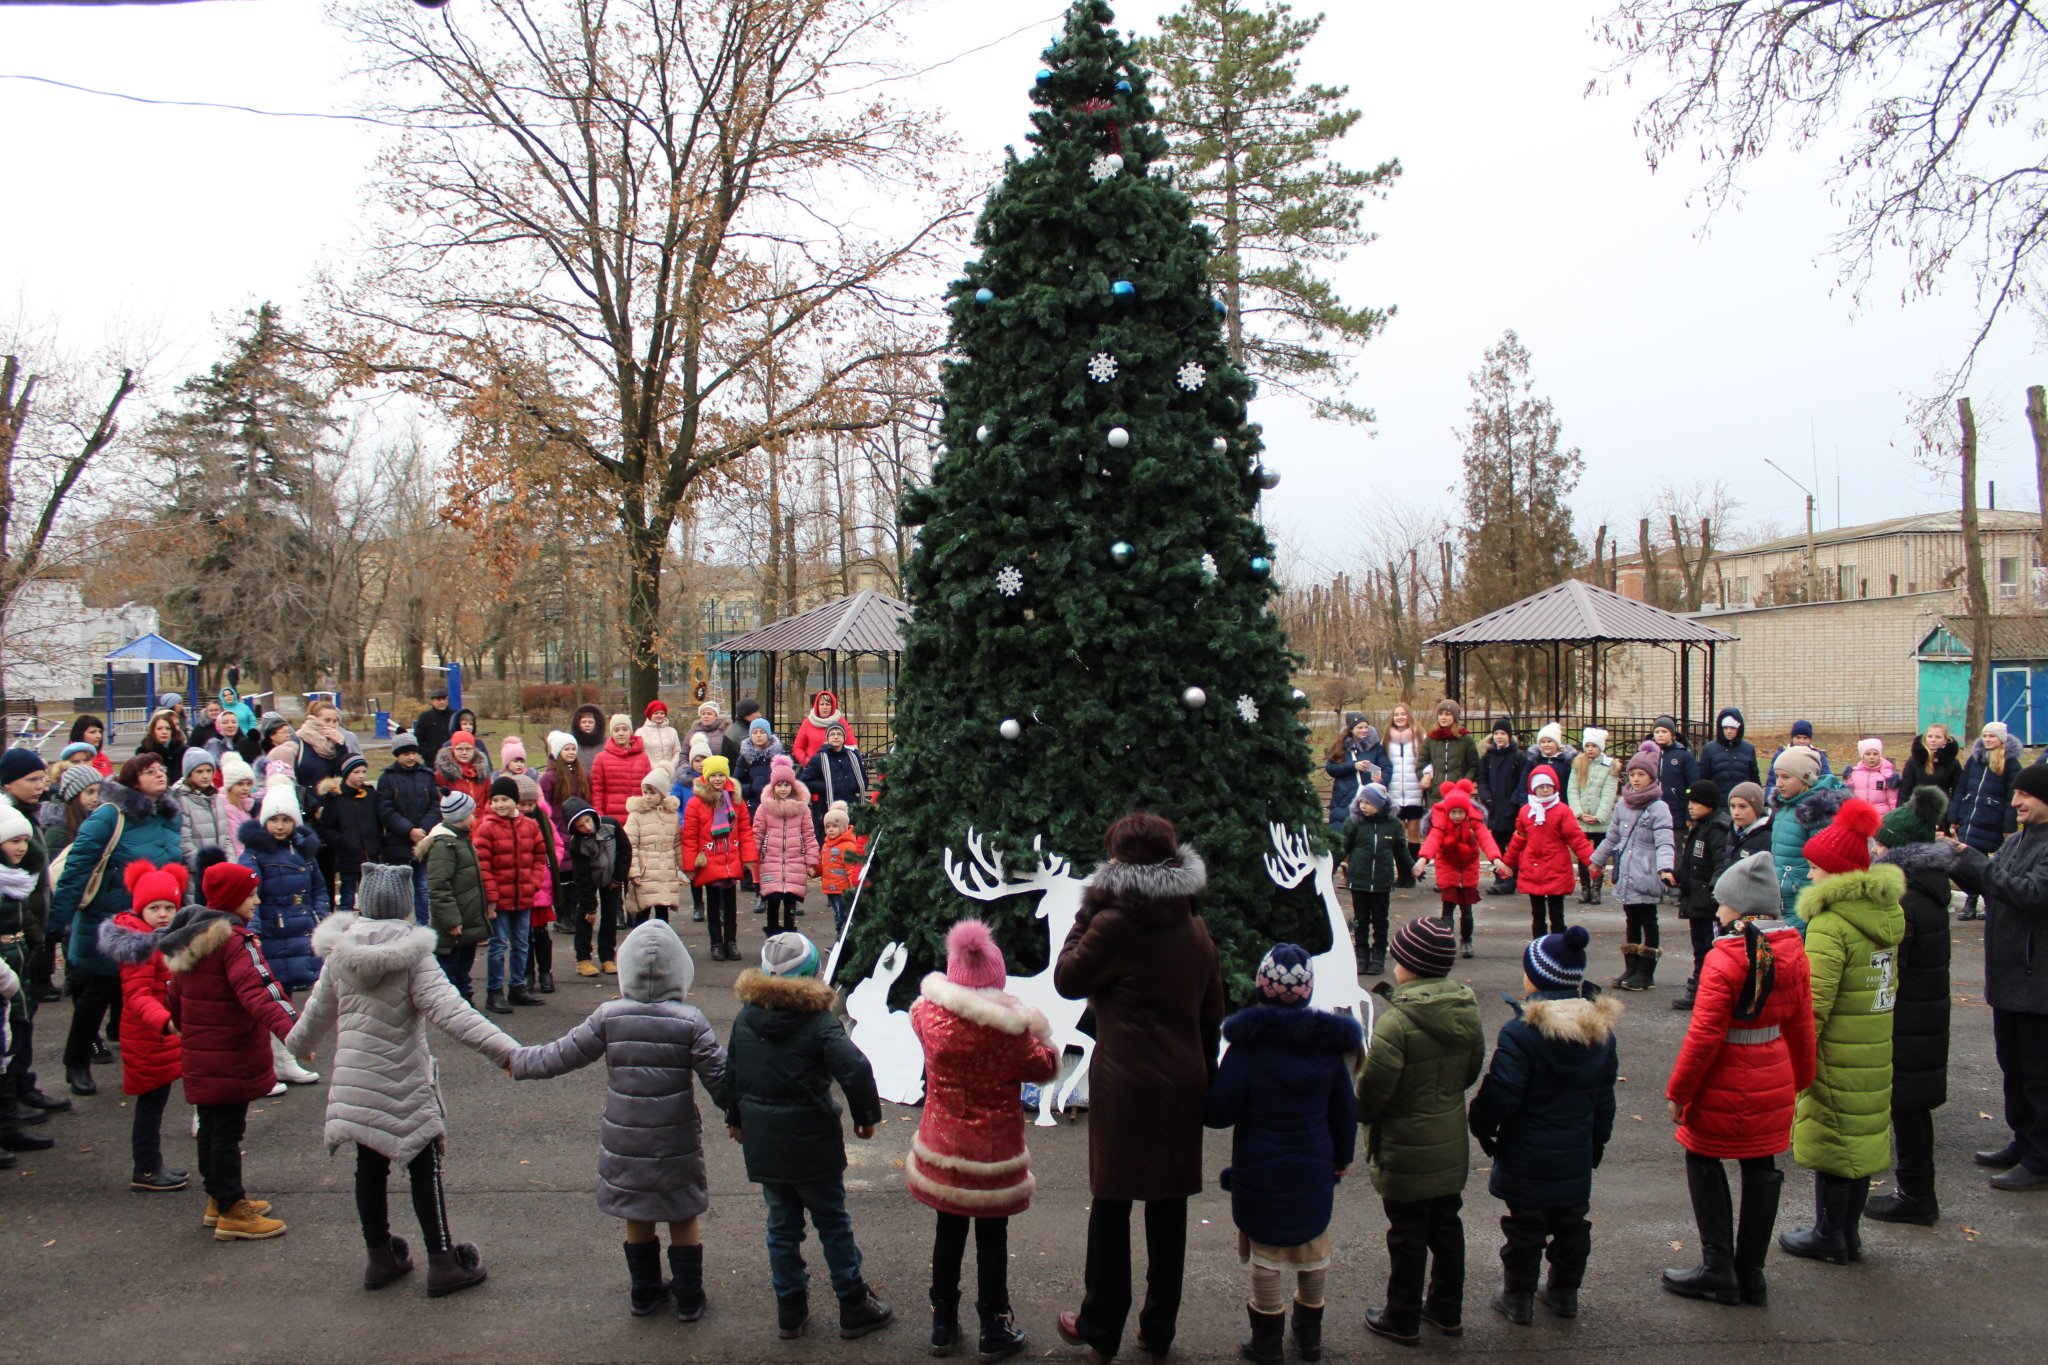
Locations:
(643, 611)
(1973, 573)
(2037, 422)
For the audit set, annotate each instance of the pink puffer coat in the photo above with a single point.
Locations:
(787, 844)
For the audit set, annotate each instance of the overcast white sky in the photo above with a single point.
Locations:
(1525, 204)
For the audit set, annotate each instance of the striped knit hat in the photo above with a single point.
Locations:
(1286, 976)
(1557, 962)
(1425, 946)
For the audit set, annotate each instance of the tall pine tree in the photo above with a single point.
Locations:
(1089, 551)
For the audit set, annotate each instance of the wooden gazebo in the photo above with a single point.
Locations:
(836, 635)
(1565, 633)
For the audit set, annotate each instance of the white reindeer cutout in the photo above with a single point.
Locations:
(1338, 988)
(885, 1035)
(1059, 906)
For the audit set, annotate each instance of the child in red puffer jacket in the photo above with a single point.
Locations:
(1458, 842)
(151, 1053)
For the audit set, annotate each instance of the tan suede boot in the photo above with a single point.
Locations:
(211, 1218)
(243, 1223)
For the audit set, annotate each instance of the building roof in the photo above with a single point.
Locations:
(1573, 612)
(152, 649)
(2012, 637)
(868, 622)
(1926, 523)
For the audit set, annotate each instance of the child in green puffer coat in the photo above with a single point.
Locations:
(1376, 858)
(1841, 1130)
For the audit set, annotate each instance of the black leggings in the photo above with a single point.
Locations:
(721, 908)
(1642, 924)
(1464, 913)
(146, 1132)
(540, 950)
(99, 998)
(991, 1259)
(781, 909)
(1369, 916)
(373, 1205)
(1546, 908)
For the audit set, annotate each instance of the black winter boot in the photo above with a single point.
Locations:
(1713, 1211)
(1692, 991)
(1308, 1331)
(388, 1263)
(1267, 1345)
(1852, 1224)
(1918, 1210)
(686, 1264)
(643, 1266)
(861, 1313)
(494, 1001)
(1760, 1192)
(1001, 1337)
(1824, 1241)
(457, 1268)
(945, 1322)
(520, 995)
(1562, 1300)
(1628, 969)
(1380, 1322)
(792, 1313)
(13, 1135)
(1518, 1307)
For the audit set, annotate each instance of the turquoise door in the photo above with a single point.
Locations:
(1945, 695)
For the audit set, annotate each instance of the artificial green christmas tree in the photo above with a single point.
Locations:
(1090, 583)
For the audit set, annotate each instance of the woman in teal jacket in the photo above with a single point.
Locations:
(1806, 800)
(140, 802)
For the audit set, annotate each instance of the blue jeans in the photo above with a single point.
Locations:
(420, 913)
(457, 963)
(837, 900)
(350, 879)
(511, 930)
(826, 1202)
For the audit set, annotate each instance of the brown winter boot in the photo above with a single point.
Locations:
(1628, 969)
(242, 1223)
(211, 1218)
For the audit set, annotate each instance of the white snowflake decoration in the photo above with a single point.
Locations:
(1102, 368)
(1009, 582)
(1247, 710)
(1105, 167)
(1190, 376)
(1208, 565)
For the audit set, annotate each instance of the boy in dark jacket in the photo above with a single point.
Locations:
(1544, 1114)
(1502, 791)
(1677, 767)
(1707, 851)
(408, 805)
(1427, 1050)
(348, 824)
(598, 861)
(786, 1051)
(1376, 857)
(1920, 1019)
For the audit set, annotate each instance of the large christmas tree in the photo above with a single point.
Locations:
(1091, 634)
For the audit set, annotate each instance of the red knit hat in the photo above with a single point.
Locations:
(656, 705)
(1458, 796)
(972, 957)
(1844, 846)
(148, 883)
(226, 885)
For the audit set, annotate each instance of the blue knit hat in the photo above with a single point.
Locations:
(1287, 976)
(1803, 728)
(1373, 794)
(760, 724)
(1557, 962)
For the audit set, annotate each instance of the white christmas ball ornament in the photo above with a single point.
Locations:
(984, 434)
(1010, 729)
(1268, 477)
(1118, 438)
(1194, 698)
(1220, 446)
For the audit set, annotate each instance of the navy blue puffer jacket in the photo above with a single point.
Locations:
(1728, 764)
(1545, 1110)
(1981, 809)
(1285, 1088)
(291, 900)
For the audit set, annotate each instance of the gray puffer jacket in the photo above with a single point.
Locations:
(650, 1162)
(378, 990)
(1638, 846)
(207, 823)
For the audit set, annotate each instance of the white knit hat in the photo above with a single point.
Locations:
(1552, 731)
(281, 797)
(557, 739)
(234, 768)
(1593, 734)
(13, 824)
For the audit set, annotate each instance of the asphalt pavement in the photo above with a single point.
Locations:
(93, 1272)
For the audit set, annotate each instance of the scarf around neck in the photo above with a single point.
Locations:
(1539, 806)
(1637, 800)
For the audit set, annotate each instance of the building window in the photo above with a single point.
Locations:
(736, 615)
(2008, 575)
(1742, 589)
(1845, 582)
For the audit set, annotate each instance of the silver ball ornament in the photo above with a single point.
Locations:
(1010, 729)
(1122, 551)
(984, 434)
(1268, 477)
(1194, 698)
(1118, 438)
(1220, 446)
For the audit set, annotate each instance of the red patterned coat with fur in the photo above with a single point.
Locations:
(968, 1155)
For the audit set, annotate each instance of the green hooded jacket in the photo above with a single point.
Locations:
(1428, 1048)
(1854, 926)
(455, 887)
(1376, 852)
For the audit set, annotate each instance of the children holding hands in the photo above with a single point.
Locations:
(1458, 842)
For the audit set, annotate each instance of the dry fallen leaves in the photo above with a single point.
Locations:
(1678, 1246)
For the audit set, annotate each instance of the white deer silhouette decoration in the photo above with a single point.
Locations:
(1337, 988)
(885, 1035)
(1059, 905)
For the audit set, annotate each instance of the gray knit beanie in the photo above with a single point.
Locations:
(1750, 887)
(384, 892)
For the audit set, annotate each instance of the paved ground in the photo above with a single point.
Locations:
(95, 1273)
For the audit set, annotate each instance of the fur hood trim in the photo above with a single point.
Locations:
(1296, 1028)
(133, 805)
(365, 951)
(788, 807)
(1004, 1013)
(1183, 878)
(646, 802)
(1883, 884)
(702, 791)
(1576, 1020)
(796, 994)
(126, 946)
(1914, 857)
(419, 850)
(194, 935)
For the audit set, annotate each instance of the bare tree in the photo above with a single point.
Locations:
(1974, 587)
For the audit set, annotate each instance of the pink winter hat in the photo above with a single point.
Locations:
(780, 769)
(512, 747)
(972, 958)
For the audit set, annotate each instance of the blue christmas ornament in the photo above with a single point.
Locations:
(1044, 75)
(1121, 552)
(984, 296)
(1124, 291)
(1221, 311)
(1123, 87)
(1261, 565)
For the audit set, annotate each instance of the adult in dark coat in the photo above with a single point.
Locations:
(1141, 956)
(1355, 759)
(1920, 1017)
(2014, 885)
(1936, 760)
(1678, 768)
(24, 778)
(1728, 758)
(835, 773)
(1502, 789)
(1980, 811)
(431, 728)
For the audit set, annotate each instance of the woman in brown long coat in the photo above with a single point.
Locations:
(1141, 955)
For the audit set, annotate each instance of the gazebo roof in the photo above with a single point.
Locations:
(1573, 612)
(868, 622)
(152, 648)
